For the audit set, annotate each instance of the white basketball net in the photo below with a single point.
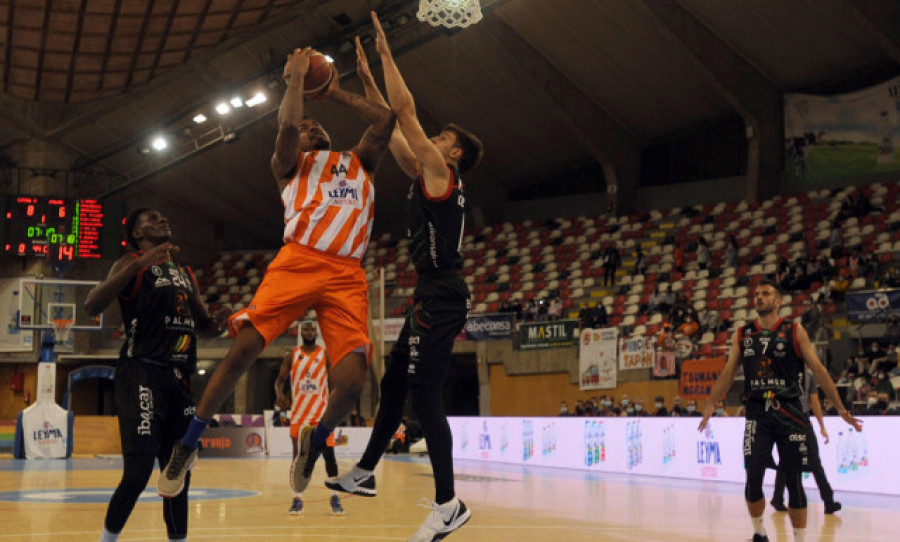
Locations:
(449, 13)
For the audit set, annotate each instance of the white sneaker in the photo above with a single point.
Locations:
(356, 480)
(443, 520)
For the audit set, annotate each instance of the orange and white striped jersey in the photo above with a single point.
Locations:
(328, 204)
(309, 386)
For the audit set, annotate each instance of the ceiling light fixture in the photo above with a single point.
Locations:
(257, 99)
(223, 109)
(159, 143)
(237, 102)
(200, 118)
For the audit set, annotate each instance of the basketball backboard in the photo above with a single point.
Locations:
(44, 302)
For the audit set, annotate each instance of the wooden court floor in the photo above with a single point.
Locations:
(247, 499)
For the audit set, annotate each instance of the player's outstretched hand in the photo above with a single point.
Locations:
(381, 44)
(848, 417)
(297, 64)
(362, 63)
(707, 413)
(158, 254)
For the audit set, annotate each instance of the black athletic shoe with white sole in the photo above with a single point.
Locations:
(355, 481)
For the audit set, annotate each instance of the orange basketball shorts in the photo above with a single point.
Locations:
(299, 278)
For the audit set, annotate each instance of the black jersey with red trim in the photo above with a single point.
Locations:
(156, 313)
(435, 226)
(771, 360)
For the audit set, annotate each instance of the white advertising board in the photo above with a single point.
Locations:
(673, 447)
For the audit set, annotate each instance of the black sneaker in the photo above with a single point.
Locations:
(760, 538)
(832, 507)
(356, 481)
(171, 479)
(779, 505)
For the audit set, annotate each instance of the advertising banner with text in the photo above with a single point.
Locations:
(673, 447)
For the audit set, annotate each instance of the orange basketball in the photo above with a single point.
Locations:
(318, 76)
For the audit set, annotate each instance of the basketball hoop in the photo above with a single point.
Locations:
(449, 13)
(62, 328)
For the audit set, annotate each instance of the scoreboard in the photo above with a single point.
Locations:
(59, 228)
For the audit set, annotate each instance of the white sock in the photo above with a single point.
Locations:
(800, 535)
(298, 496)
(107, 536)
(335, 494)
(178, 540)
(758, 527)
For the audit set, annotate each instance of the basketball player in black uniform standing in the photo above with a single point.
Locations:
(161, 310)
(773, 352)
(422, 354)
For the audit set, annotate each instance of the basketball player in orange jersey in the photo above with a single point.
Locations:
(421, 355)
(308, 367)
(328, 199)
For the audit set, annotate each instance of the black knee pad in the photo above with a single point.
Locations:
(753, 488)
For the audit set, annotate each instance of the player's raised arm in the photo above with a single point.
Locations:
(400, 150)
(433, 165)
(290, 116)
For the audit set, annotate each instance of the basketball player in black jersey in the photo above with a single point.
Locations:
(422, 354)
(773, 353)
(162, 310)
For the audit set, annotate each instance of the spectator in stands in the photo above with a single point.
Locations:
(529, 311)
(891, 278)
(515, 307)
(892, 331)
(625, 402)
(853, 262)
(678, 407)
(639, 407)
(611, 260)
(606, 407)
(554, 311)
(720, 408)
(691, 409)
(564, 409)
(657, 301)
(703, 253)
(731, 251)
(660, 404)
(711, 321)
(680, 311)
(678, 257)
(878, 404)
(689, 328)
(579, 408)
(882, 384)
(541, 308)
(836, 240)
(640, 261)
(867, 359)
(599, 316)
(886, 363)
(813, 318)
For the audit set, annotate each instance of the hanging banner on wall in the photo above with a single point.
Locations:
(842, 135)
(873, 305)
(553, 334)
(636, 352)
(489, 327)
(698, 377)
(597, 358)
